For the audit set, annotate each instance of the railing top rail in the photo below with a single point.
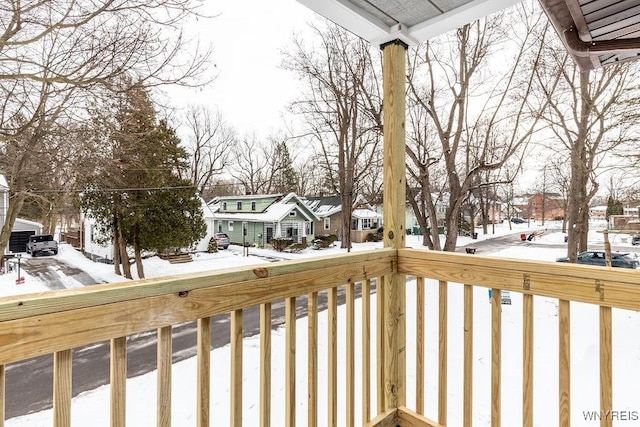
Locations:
(605, 286)
(38, 324)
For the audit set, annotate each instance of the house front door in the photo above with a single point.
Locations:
(269, 234)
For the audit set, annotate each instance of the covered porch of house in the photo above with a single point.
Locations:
(58, 322)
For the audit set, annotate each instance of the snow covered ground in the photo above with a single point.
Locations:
(91, 408)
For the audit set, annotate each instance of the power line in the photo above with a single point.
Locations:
(111, 190)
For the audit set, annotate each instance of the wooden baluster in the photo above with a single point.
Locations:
(468, 356)
(496, 357)
(165, 355)
(420, 331)
(351, 354)
(366, 351)
(332, 350)
(236, 368)
(442, 352)
(606, 366)
(564, 315)
(290, 362)
(265, 365)
(380, 326)
(527, 360)
(204, 371)
(312, 374)
(62, 363)
(118, 375)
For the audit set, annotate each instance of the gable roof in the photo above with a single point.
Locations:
(275, 212)
(324, 206)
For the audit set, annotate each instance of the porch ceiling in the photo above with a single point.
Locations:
(595, 32)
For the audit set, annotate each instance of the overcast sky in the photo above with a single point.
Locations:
(251, 90)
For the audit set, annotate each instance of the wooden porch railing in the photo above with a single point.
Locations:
(57, 322)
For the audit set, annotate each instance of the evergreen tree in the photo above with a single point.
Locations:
(137, 196)
(614, 207)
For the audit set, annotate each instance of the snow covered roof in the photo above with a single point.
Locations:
(276, 212)
(365, 213)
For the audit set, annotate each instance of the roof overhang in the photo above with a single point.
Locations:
(412, 21)
(597, 33)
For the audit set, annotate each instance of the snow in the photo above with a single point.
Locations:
(91, 408)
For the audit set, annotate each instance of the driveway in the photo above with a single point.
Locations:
(55, 273)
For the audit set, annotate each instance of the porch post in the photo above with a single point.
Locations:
(393, 75)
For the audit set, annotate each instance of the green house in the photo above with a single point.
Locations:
(257, 219)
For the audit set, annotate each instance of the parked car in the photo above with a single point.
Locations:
(618, 259)
(517, 220)
(41, 243)
(635, 240)
(223, 240)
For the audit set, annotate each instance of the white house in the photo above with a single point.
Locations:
(97, 246)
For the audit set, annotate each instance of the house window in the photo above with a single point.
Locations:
(230, 227)
(292, 213)
(239, 206)
(327, 223)
(253, 206)
(224, 206)
(366, 223)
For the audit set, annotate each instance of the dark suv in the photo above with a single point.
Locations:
(618, 259)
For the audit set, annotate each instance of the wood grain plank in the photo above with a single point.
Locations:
(527, 360)
(261, 283)
(420, 342)
(265, 365)
(564, 362)
(350, 354)
(62, 380)
(165, 356)
(290, 362)
(44, 334)
(380, 344)
(332, 356)
(409, 418)
(2, 395)
(606, 366)
(442, 352)
(496, 358)
(467, 404)
(312, 355)
(118, 381)
(203, 386)
(580, 283)
(236, 368)
(366, 351)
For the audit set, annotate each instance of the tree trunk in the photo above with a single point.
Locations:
(578, 221)
(124, 257)
(139, 266)
(15, 205)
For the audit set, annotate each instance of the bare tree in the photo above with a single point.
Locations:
(210, 143)
(342, 108)
(57, 54)
(477, 127)
(588, 113)
(251, 166)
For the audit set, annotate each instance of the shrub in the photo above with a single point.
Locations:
(324, 240)
(374, 237)
(213, 246)
(296, 247)
(281, 243)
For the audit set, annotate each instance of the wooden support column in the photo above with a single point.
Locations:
(393, 74)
